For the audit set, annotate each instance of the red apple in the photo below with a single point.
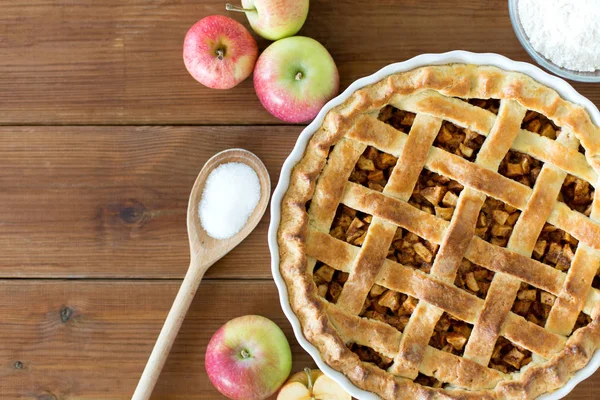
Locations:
(248, 358)
(294, 77)
(219, 52)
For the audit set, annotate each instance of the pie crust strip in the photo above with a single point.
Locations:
(380, 233)
(384, 339)
(446, 296)
(578, 283)
(503, 290)
(465, 81)
(433, 229)
(481, 121)
(484, 180)
(462, 227)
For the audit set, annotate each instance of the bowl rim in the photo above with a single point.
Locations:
(583, 76)
(564, 89)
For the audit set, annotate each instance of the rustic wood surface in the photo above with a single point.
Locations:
(103, 133)
(89, 339)
(111, 201)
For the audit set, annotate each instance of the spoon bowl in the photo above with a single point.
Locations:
(204, 252)
(210, 250)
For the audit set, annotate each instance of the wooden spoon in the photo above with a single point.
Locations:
(205, 251)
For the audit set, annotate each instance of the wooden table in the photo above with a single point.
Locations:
(103, 132)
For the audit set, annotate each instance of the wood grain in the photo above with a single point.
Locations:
(91, 339)
(112, 201)
(109, 201)
(66, 340)
(204, 252)
(115, 62)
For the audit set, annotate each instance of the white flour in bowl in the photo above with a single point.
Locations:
(567, 32)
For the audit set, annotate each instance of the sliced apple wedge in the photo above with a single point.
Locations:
(311, 385)
(294, 391)
(325, 388)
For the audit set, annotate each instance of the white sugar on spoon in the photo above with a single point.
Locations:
(230, 194)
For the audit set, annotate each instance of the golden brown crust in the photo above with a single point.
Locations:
(429, 92)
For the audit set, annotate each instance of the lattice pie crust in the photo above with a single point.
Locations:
(440, 236)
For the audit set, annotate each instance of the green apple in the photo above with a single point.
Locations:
(294, 77)
(274, 19)
(248, 358)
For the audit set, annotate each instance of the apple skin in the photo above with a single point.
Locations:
(200, 52)
(276, 19)
(294, 77)
(267, 364)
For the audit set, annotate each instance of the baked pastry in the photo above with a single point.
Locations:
(440, 239)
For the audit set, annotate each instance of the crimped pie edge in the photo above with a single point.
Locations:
(310, 309)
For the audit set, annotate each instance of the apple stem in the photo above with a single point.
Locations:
(220, 54)
(299, 76)
(245, 354)
(231, 7)
(310, 383)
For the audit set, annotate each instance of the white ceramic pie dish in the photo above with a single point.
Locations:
(562, 87)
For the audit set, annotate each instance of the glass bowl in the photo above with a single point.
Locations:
(539, 58)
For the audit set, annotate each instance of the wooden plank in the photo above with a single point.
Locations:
(111, 201)
(98, 349)
(115, 62)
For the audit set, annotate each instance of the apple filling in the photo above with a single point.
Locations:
(460, 141)
(473, 278)
(411, 250)
(508, 357)
(430, 381)
(520, 167)
(450, 335)
(373, 169)
(496, 221)
(367, 354)
(388, 306)
(492, 105)
(399, 119)
(555, 247)
(434, 194)
(533, 304)
(540, 124)
(577, 194)
(329, 281)
(350, 225)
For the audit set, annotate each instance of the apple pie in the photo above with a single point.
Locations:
(440, 237)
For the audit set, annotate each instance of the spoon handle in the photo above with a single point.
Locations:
(169, 331)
